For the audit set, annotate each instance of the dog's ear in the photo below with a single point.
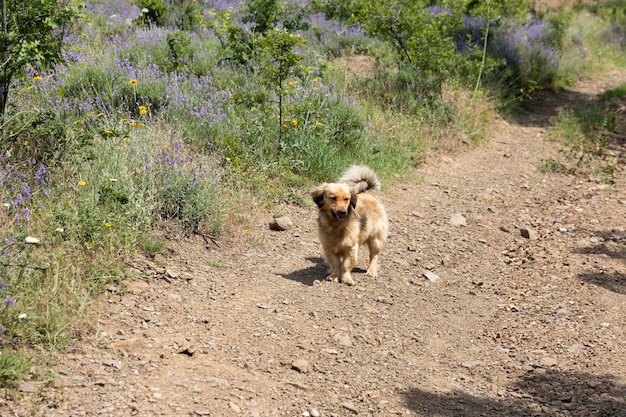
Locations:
(318, 194)
(353, 200)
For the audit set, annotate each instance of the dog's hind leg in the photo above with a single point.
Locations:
(375, 246)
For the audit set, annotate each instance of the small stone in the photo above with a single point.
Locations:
(548, 361)
(529, 234)
(471, 364)
(343, 340)
(458, 220)
(446, 262)
(301, 365)
(112, 363)
(171, 273)
(350, 406)
(575, 348)
(234, 407)
(202, 413)
(281, 224)
(315, 413)
(431, 276)
(27, 387)
(127, 344)
(137, 286)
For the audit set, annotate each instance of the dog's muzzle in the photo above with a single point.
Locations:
(340, 214)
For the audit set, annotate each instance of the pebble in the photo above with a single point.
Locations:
(350, 406)
(458, 220)
(281, 224)
(301, 365)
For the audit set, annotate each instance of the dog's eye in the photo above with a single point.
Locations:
(334, 198)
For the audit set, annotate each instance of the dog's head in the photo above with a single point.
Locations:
(336, 199)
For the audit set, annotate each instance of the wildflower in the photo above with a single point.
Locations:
(244, 173)
(124, 120)
(82, 183)
(30, 87)
(107, 225)
(77, 122)
(294, 123)
(140, 125)
(143, 110)
(132, 124)
(246, 231)
(290, 83)
(9, 301)
(132, 81)
(319, 124)
(144, 10)
(108, 131)
(99, 115)
(37, 78)
(316, 80)
(284, 125)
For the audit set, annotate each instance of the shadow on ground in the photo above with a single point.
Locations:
(612, 245)
(549, 394)
(307, 276)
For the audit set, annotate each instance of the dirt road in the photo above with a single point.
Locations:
(467, 318)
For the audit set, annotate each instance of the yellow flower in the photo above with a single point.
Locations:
(143, 110)
(290, 83)
(294, 123)
(132, 81)
(245, 231)
(30, 87)
(37, 78)
(82, 183)
(244, 173)
(319, 124)
(140, 125)
(131, 124)
(99, 114)
(284, 125)
(315, 80)
(124, 120)
(107, 225)
(77, 122)
(108, 131)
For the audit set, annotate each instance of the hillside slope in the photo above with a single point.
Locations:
(513, 326)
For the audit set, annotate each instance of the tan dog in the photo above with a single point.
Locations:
(351, 215)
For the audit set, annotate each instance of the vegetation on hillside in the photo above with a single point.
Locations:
(124, 114)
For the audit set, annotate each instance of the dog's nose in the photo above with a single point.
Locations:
(342, 212)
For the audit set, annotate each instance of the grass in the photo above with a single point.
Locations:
(145, 125)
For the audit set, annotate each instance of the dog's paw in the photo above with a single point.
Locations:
(333, 278)
(347, 280)
(372, 273)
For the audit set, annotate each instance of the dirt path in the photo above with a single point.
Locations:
(513, 326)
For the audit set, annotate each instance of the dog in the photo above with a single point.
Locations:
(351, 215)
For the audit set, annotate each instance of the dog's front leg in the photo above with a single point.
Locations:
(334, 263)
(347, 263)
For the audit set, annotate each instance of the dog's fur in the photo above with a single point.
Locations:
(351, 215)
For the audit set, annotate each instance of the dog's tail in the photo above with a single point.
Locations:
(360, 178)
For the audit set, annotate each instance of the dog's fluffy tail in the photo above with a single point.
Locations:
(360, 178)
